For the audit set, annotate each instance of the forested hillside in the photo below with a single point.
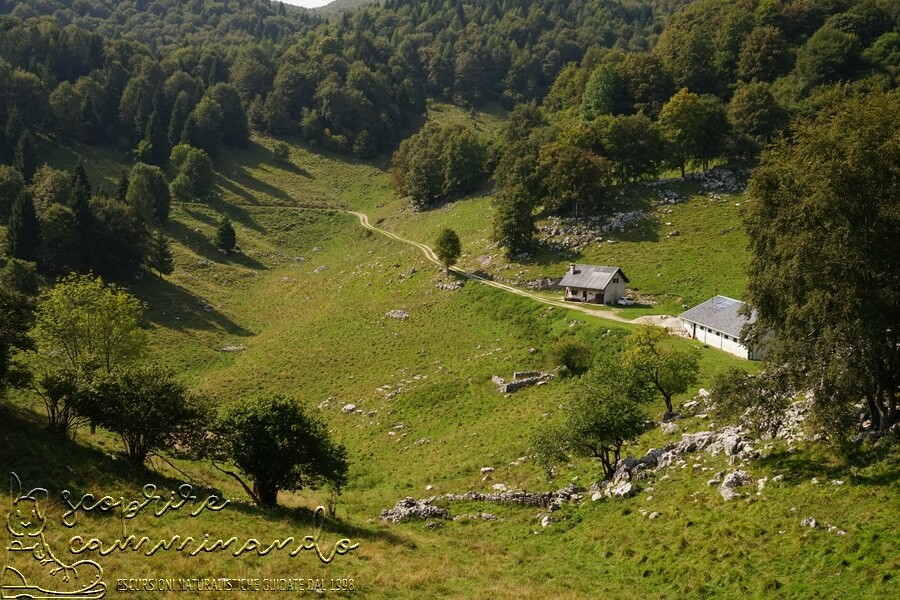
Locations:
(216, 211)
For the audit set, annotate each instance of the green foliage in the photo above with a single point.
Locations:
(573, 178)
(764, 55)
(666, 370)
(117, 243)
(225, 237)
(824, 266)
(203, 128)
(281, 152)
(757, 402)
(25, 159)
(514, 221)
(448, 248)
(632, 143)
(87, 326)
(606, 411)
(159, 255)
(51, 186)
(572, 354)
(603, 94)
(17, 310)
(828, 56)
(755, 117)
(695, 127)
(22, 233)
(148, 193)
(147, 407)
(196, 167)
(233, 122)
(60, 244)
(277, 443)
(439, 162)
(19, 276)
(154, 146)
(63, 392)
(11, 185)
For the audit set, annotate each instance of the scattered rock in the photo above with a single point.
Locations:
(521, 379)
(409, 509)
(733, 480)
(486, 470)
(809, 522)
(238, 348)
(397, 314)
(348, 408)
(320, 269)
(597, 496)
(654, 515)
(482, 516)
(546, 521)
(670, 428)
(621, 490)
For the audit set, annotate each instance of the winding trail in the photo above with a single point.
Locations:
(431, 256)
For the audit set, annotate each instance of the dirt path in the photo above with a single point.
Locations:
(363, 218)
(431, 256)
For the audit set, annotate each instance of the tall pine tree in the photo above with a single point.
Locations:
(25, 158)
(22, 234)
(81, 206)
(225, 236)
(160, 255)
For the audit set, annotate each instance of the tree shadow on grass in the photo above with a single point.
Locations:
(45, 459)
(174, 307)
(802, 466)
(202, 245)
(240, 182)
(305, 519)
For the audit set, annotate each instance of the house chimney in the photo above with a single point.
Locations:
(572, 269)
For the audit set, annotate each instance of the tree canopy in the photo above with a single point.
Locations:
(824, 257)
(275, 441)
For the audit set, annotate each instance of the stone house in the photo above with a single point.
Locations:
(594, 284)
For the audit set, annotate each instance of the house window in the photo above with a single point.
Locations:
(615, 280)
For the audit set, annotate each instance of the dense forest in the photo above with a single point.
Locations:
(601, 93)
(596, 94)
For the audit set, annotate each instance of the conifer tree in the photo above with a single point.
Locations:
(160, 255)
(22, 233)
(225, 236)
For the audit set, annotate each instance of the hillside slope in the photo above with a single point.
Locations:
(304, 309)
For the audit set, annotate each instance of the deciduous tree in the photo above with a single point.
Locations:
(664, 369)
(275, 442)
(825, 259)
(448, 248)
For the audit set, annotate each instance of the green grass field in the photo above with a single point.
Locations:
(322, 335)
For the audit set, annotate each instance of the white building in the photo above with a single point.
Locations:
(595, 284)
(718, 323)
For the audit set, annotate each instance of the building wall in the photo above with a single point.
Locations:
(577, 294)
(614, 291)
(717, 339)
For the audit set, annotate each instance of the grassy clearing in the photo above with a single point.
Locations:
(322, 335)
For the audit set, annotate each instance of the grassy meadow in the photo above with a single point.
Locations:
(301, 309)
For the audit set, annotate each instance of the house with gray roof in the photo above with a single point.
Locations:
(592, 283)
(718, 323)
